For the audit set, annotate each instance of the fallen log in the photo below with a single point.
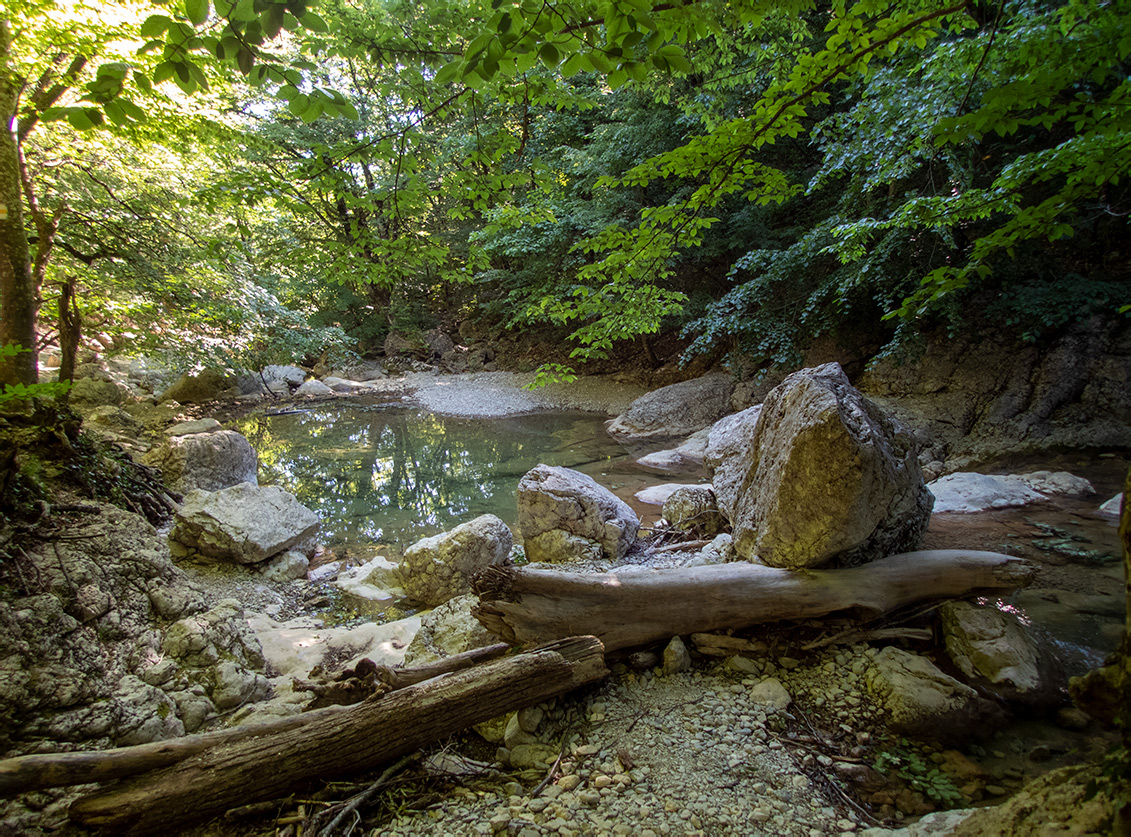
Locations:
(339, 741)
(53, 770)
(636, 608)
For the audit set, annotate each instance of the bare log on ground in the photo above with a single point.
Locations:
(339, 742)
(631, 609)
(53, 770)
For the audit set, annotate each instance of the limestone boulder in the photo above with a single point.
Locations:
(398, 343)
(286, 566)
(448, 630)
(90, 393)
(996, 652)
(439, 343)
(728, 454)
(921, 700)
(114, 419)
(439, 568)
(342, 384)
(360, 370)
(685, 456)
(291, 376)
(693, 509)
(565, 515)
(207, 461)
(313, 389)
(375, 581)
(207, 385)
(676, 410)
(972, 492)
(244, 524)
(828, 478)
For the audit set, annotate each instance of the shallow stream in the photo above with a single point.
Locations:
(382, 476)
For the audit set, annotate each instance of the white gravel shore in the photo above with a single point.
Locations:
(497, 394)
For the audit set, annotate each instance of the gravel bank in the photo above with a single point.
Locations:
(703, 752)
(497, 394)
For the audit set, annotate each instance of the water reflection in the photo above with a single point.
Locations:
(385, 474)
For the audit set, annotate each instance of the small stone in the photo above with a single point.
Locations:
(529, 718)
(677, 658)
(499, 822)
(569, 782)
(996, 790)
(589, 797)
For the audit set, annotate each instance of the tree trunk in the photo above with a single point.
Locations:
(70, 330)
(628, 610)
(339, 741)
(18, 298)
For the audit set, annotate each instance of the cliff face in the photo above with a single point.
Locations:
(991, 395)
(974, 398)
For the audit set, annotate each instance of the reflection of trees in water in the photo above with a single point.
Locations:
(396, 476)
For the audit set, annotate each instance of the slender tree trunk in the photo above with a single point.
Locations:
(17, 286)
(70, 330)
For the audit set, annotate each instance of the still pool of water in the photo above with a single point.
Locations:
(385, 475)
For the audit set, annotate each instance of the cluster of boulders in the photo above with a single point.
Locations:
(815, 476)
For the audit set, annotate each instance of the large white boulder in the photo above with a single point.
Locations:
(826, 478)
(448, 630)
(921, 700)
(207, 461)
(565, 515)
(995, 651)
(728, 454)
(676, 410)
(971, 492)
(244, 524)
(439, 568)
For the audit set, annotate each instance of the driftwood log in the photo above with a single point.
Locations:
(632, 609)
(338, 741)
(53, 770)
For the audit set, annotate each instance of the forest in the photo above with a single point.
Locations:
(240, 183)
(706, 194)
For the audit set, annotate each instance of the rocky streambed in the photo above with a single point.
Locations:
(787, 731)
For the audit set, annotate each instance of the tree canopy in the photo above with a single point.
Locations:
(254, 179)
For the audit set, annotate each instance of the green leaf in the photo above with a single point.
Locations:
(313, 112)
(298, 104)
(245, 60)
(600, 62)
(550, 56)
(447, 73)
(313, 22)
(163, 72)
(132, 111)
(245, 11)
(272, 20)
(572, 65)
(155, 25)
(197, 11)
(115, 113)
